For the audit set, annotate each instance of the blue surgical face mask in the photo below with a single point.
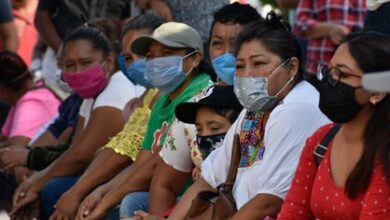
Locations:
(121, 63)
(166, 73)
(136, 73)
(224, 66)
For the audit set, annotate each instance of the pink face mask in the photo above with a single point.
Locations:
(87, 83)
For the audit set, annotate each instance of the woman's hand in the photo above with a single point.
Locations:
(25, 195)
(141, 215)
(21, 174)
(338, 33)
(88, 205)
(66, 207)
(14, 156)
(98, 212)
(31, 211)
(195, 173)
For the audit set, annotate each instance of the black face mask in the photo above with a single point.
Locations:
(206, 144)
(338, 102)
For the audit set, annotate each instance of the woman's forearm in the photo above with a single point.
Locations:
(321, 29)
(184, 204)
(137, 180)
(161, 199)
(97, 174)
(259, 207)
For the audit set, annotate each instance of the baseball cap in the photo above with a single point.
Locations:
(170, 34)
(377, 82)
(215, 96)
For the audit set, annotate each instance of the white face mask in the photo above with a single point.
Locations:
(166, 73)
(252, 92)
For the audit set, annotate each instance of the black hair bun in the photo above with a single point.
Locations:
(276, 21)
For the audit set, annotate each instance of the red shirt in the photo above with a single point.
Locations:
(28, 37)
(349, 13)
(314, 195)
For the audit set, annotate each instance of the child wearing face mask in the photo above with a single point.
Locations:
(228, 22)
(280, 112)
(174, 65)
(212, 115)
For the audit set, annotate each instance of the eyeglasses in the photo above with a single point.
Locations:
(333, 74)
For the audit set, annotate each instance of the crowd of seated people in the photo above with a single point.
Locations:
(153, 114)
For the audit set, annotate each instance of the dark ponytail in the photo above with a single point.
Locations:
(112, 29)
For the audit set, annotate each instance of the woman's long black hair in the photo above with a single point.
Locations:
(371, 52)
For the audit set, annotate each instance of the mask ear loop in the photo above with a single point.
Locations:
(189, 71)
(107, 74)
(184, 57)
(189, 54)
(285, 86)
(288, 82)
(277, 68)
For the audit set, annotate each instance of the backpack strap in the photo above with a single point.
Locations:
(227, 187)
(322, 147)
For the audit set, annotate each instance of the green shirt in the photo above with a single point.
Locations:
(163, 113)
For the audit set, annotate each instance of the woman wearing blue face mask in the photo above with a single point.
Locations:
(133, 65)
(174, 66)
(281, 111)
(212, 116)
(228, 23)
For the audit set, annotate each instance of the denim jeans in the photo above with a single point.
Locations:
(378, 20)
(113, 214)
(133, 202)
(52, 191)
